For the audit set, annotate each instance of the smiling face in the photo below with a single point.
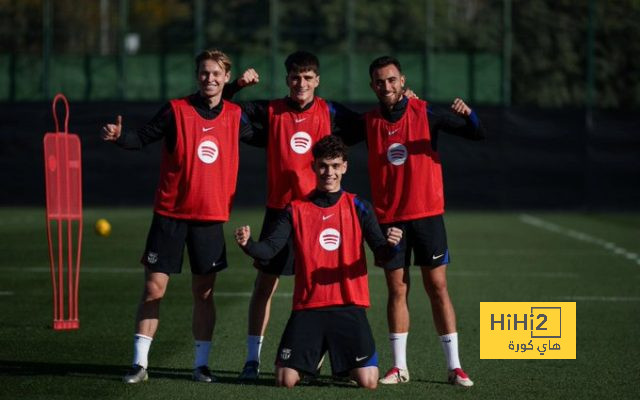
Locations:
(302, 86)
(211, 80)
(329, 173)
(387, 83)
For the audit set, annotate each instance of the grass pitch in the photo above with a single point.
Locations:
(591, 259)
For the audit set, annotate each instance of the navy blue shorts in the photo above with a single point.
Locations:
(166, 241)
(342, 331)
(425, 237)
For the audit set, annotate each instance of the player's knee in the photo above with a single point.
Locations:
(398, 287)
(264, 288)
(438, 285)
(263, 292)
(289, 384)
(287, 377)
(203, 295)
(398, 292)
(286, 381)
(368, 382)
(438, 292)
(153, 292)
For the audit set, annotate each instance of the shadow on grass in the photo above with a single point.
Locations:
(116, 372)
(109, 372)
(432, 382)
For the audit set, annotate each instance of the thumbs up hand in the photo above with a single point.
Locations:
(111, 132)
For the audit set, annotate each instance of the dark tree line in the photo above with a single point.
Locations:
(549, 56)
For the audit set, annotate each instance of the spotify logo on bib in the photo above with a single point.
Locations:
(208, 152)
(397, 154)
(330, 239)
(300, 142)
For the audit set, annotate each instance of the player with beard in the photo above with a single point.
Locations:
(407, 189)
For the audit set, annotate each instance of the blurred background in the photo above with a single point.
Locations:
(556, 82)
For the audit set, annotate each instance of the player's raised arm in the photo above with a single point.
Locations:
(249, 77)
(242, 235)
(111, 132)
(271, 244)
(459, 120)
(460, 107)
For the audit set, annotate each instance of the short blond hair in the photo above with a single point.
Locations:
(215, 55)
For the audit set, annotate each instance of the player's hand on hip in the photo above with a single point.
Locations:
(242, 235)
(248, 78)
(459, 107)
(394, 235)
(111, 132)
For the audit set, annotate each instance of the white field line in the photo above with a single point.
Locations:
(581, 236)
(601, 298)
(5, 293)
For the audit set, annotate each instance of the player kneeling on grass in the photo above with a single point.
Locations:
(331, 290)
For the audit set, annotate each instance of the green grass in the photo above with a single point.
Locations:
(496, 257)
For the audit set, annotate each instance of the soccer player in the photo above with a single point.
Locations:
(197, 184)
(406, 185)
(330, 289)
(293, 124)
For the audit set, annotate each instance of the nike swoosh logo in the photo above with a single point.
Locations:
(436, 257)
(393, 131)
(206, 129)
(447, 341)
(300, 120)
(358, 359)
(326, 217)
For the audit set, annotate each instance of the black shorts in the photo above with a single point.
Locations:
(343, 331)
(426, 237)
(166, 240)
(282, 263)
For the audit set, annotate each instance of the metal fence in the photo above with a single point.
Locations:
(549, 53)
(143, 49)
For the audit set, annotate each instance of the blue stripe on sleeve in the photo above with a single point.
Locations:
(332, 109)
(360, 206)
(474, 119)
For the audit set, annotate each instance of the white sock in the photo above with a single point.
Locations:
(202, 349)
(141, 345)
(254, 346)
(399, 349)
(450, 348)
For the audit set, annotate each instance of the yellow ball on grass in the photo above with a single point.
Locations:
(103, 227)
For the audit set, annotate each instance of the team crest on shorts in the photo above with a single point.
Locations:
(152, 257)
(285, 354)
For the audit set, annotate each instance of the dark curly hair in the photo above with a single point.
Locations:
(382, 62)
(302, 61)
(330, 147)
